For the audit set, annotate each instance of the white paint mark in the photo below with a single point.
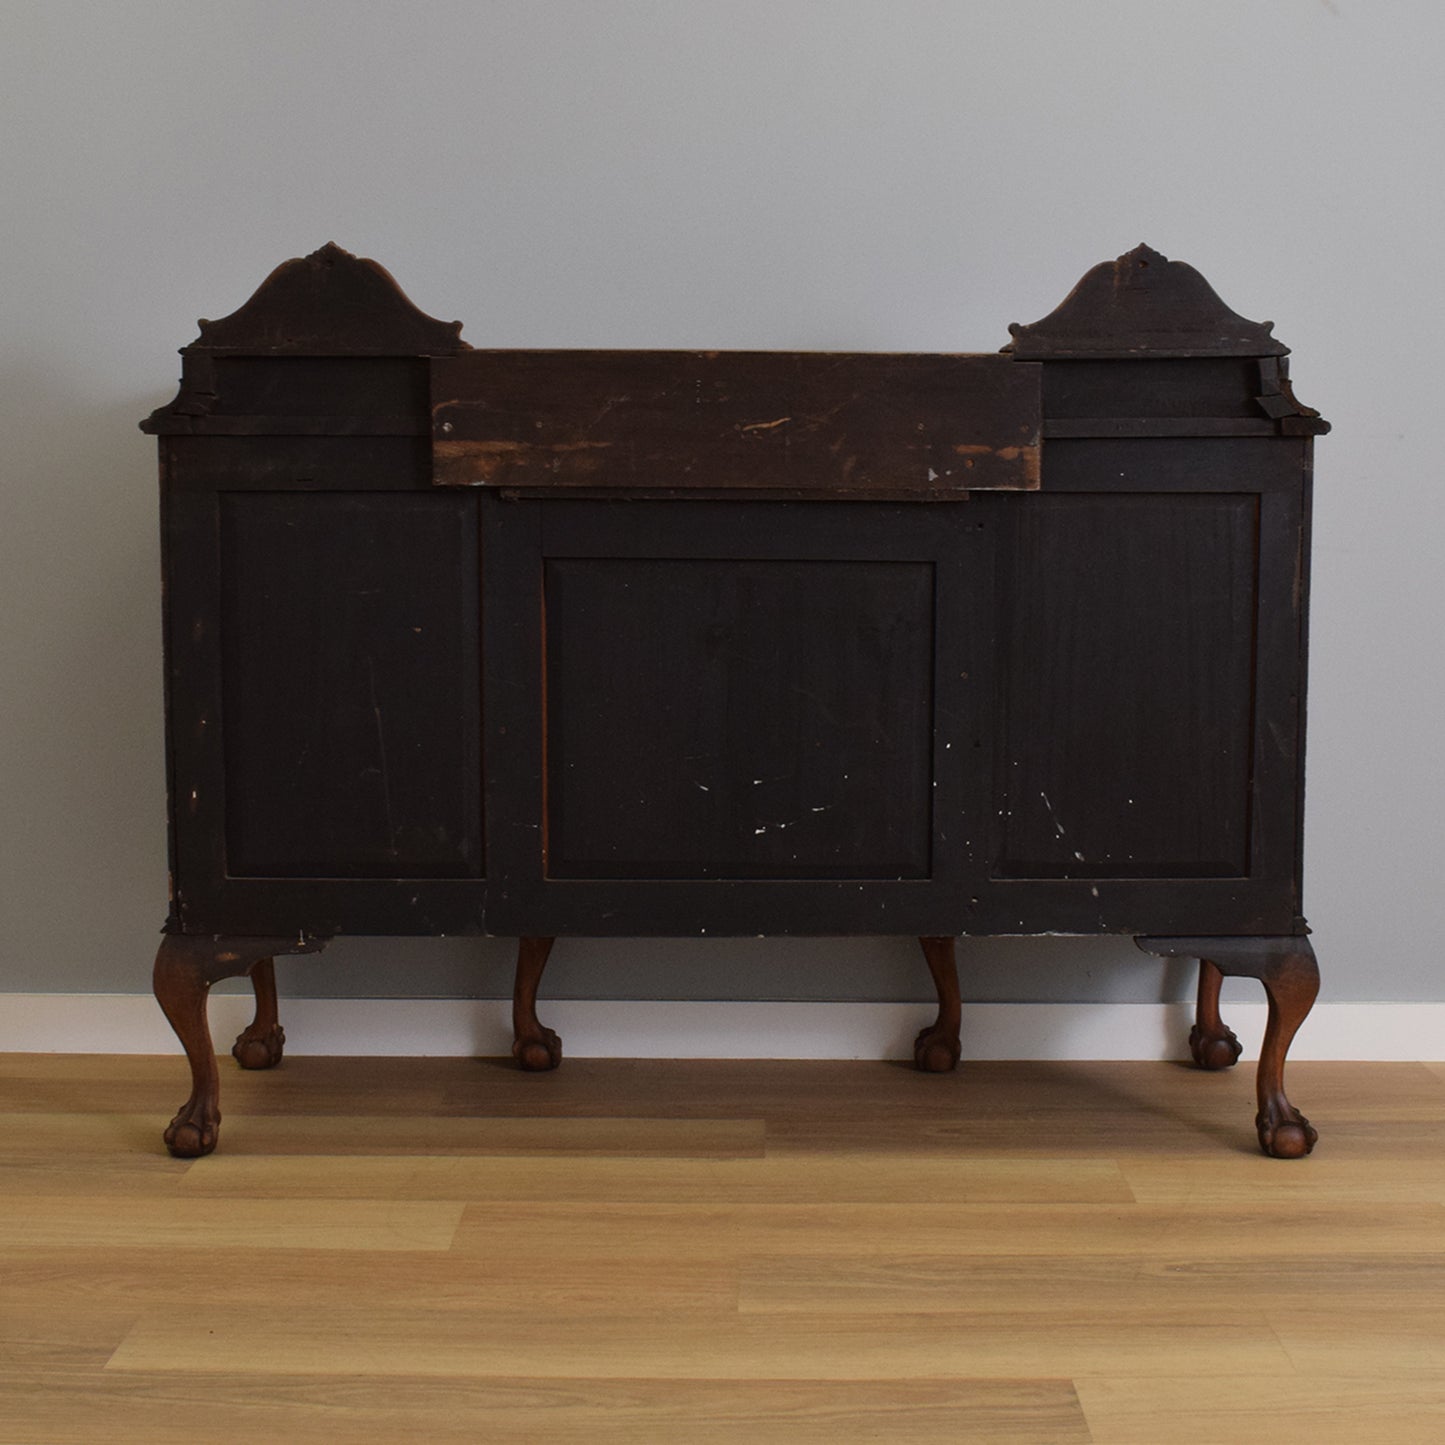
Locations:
(1053, 817)
(705, 787)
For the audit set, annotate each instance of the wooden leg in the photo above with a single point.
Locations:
(1291, 978)
(1292, 983)
(936, 1050)
(535, 1047)
(186, 967)
(259, 1045)
(1211, 1042)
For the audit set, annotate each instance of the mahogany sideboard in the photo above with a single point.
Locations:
(543, 643)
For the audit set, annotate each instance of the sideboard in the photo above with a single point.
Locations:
(546, 643)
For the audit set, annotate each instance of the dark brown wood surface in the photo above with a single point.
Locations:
(743, 421)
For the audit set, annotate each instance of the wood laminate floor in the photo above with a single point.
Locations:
(448, 1250)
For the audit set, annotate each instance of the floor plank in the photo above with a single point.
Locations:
(816, 1178)
(829, 1347)
(186, 1408)
(1286, 1410)
(46, 1222)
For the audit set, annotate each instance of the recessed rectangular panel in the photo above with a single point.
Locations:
(738, 718)
(350, 633)
(1128, 652)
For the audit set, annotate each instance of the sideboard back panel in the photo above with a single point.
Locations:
(350, 648)
(801, 747)
(1129, 623)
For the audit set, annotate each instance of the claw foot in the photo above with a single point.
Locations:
(193, 1132)
(538, 1053)
(1213, 1050)
(259, 1048)
(936, 1050)
(1285, 1133)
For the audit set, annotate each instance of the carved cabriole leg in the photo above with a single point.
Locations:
(260, 1043)
(1291, 978)
(535, 1047)
(936, 1050)
(186, 967)
(1211, 1041)
(1293, 983)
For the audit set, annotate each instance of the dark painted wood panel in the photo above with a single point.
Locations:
(334, 386)
(1219, 387)
(298, 463)
(1128, 700)
(1176, 464)
(350, 643)
(736, 718)
(764, 609)
(750, 421)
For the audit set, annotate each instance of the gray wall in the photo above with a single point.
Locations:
(737, 173)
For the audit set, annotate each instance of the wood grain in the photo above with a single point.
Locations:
(717, 1252)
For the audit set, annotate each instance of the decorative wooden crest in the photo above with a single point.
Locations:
(330, 303)
(1143, 304)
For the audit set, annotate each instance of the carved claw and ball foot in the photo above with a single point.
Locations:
(261, 1043)
(195, 1130)
(1212, 1044)
(259, 1049)
(937, 1049)
(1214, 1051)
(535, 1047)
(1291, 978)
(186, 967)
(1284, 1133)
(539, 1052)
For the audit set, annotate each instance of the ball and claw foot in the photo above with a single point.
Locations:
(1214, 1051)
(936, 1051)
(1285, 1133)
(259, 1048)
(193, 1132)
(538, 1053)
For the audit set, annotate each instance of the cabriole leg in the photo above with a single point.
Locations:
(186, 967)
(534, 1046)
(1211, 1041)
(936, 1050)
(259, 1045)
(1291, 978)
(1292, 982)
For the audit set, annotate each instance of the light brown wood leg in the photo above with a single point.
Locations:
(534, 1046)
(1286, 967)
(260, 1044)
(1292, 983)
(186, 967)
(936, 1050)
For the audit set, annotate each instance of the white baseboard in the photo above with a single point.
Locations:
(132, 1024)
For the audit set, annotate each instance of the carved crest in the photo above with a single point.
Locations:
(326, 304)
(1143, 304)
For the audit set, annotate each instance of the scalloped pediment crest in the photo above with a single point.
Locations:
(330, 303)
(1142, 304)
